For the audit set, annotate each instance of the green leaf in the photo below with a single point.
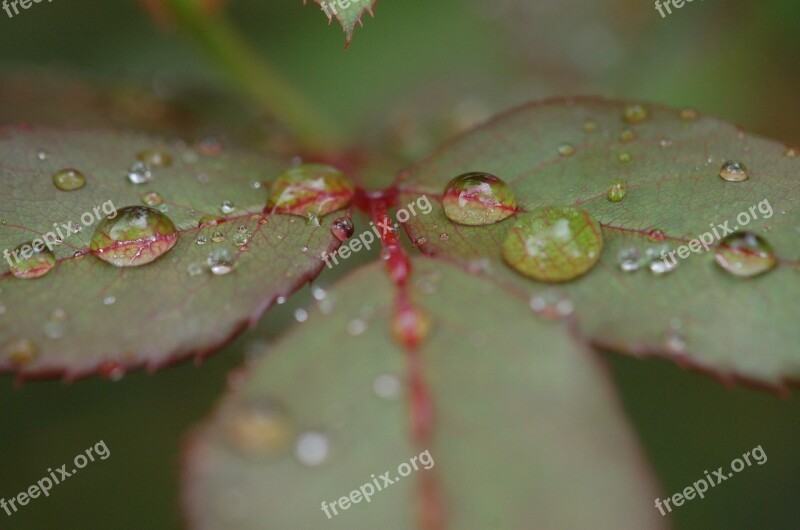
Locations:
(85, 315)
(526, 434)
(698, 315)
(349, 15)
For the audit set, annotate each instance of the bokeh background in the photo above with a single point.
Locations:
(414, 75)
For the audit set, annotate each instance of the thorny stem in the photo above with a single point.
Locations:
(254, 76)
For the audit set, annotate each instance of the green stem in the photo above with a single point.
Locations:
(255, 77)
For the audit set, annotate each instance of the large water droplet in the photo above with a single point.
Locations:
(29, 261)
(617, 190)
(478, 199)
(312, 448)
(745, 254)
(554, 244)
(69, 180)
(226, 207)
(136, 236)
(310, 191)
(733, 171)
(343, 228)
(220, 261)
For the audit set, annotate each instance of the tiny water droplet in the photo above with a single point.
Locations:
(152, 199)
(590, 126)
(69, 180)
(226, 207)
(733, 171)
(53, 330)
(154, 158)
(745, 254)
(41, 155)
(201, 240)
(629, 259)
(300, 315)
(34, 261)
(552, 304)
(220, 261)
(656, 235)
(386, 386)
(635, 113)
(478, 199)
(356, 327)
(688, 114)
(624, 157)
(343, 228)
(260, 427)
(194, 269)
(318, 293)
(241, 240)
(312, 448)
(217, 237)
(21, 351)
(419, 241)
(109, 300)
(443, 236)
(411, 326)
(280, 300)
(658, 261)
(627, 135)
(139, 173)
(208, 220)
(136, 236)
(566, 150)
(790, 152)
(554, 244)
(617, 191)
(665, 142)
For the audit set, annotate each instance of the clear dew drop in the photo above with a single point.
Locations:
(137, 235)
(109, 300)
(624, 157)
(41, 155)
(733, 171)
(665, 142)
(201, 240)
(318, 293)
(656, 235)
(551, 304)
(69, 180)
(617, 191)
(226, 207)
(241, 240)
(280, 300)
(343, 228)
(311, 191)
(154, 158)
(658, 262)
(635, 113)
(139, 173)
(566, 150)
(34, 261)
(629, 259)
(312, 448)
(478, 199)
(220, 261)
(627, 135)
(444, 236)
(217, 237)
(300, 315)
(386, 386)
(745, 254)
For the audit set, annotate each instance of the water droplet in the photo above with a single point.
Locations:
(201, 240)
(688, 114)
(624, 157)
(139, 173)
(617, 190)
(69, 180)
(136, 236)
(478, 199)
(665, 142)
(152, 198)
(411, 326)
(552, 304)
(566, 150)
(41, 155)
(53, 330)
(208, 220)
(745, 254)
(310, 190)
(21, 351)
(356, 327)
(260, 427)
(256, 185)
(58, 315)
(280, 300)
(154, 158)
(656, 235)
(300, 315)
(790, 152)
(209, 146)
(635, 113)
(627, 135)
(733, 171)
(443, 236)
(220, 261)
(658, 262)
(386, 386)
(34, 261)
(343, 228)
(554, 244)
(312, 448)
(318, 293)
(241, 240)
(226, 207)
(590, 126)
(217, 237)
(194, 269)
(109, 300)
(629, 259)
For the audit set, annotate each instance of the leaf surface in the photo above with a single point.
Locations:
(86, 315)
(698, 315)
(348, 16)
(527, 432)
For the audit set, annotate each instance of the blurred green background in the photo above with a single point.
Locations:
(417, 73)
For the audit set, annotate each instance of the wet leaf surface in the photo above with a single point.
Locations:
(328, 408)
(696, 313)
(347, 16)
